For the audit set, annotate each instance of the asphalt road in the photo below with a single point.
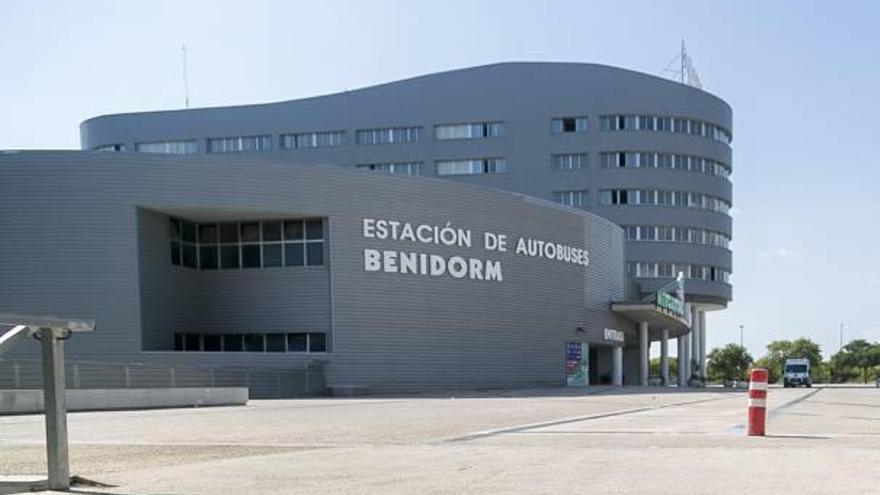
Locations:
(657, 441)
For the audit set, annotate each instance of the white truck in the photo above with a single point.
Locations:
(796, 373)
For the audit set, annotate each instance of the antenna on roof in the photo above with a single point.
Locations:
(686, 73)
(185, 77)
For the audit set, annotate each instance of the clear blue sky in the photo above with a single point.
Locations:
(803, 79)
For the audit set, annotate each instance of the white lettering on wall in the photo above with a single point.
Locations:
(455, 266)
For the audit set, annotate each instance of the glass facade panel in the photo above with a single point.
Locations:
(297, 342)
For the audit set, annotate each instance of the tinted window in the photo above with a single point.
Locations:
(228, 232)
(229, 256)
(250, 232)
(315, 253)
(293, 230)
(293, 254)
(315, 229)
(207, 234)
(317, 342)
(211, 342)
(275, 342)
(208, 257)
(296, 342)
(232, 342)
(253, 342)
(250, 256)
(272, 255)
(189, 256)
(272, 231)
(192, 342)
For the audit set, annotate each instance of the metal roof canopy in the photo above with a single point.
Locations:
(51, 332)
(658, 319)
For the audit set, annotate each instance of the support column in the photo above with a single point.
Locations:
(704, 366)
(664, 356)
(617, 366)
(688, 357)
(56, 408)
(682, 360)
(644, 363)
(695, 342)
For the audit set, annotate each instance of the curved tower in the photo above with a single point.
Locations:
(650, 154)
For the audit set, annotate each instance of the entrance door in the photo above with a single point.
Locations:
(593, 365)
(576, 370)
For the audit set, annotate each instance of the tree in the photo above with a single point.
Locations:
(779, 351)
(728, 363)
(858, 357)
(774, 370)
(673, 367)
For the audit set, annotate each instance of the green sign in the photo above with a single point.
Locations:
(671, 303)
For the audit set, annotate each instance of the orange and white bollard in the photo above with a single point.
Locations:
(757, 402)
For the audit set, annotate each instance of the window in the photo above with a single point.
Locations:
(569, 161)
(478, 130)
(189, 147)
(192, 342)
(276, 342)
(576, 199)
(254, 342)
(647, 159)
(297, 342)
(472, 167)
(110, 147)
(682, 199)
(403, 168)
(239, 144)
(388, 135)
(615, 196)
(568, 124)
(652, 269)
(313, 140)
(256, 244)
(317, 342)
(306, 342)
(233, 343)
(212, 343)
(657, 123)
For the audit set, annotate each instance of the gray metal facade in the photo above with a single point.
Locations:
(86, 235)
(525, 98)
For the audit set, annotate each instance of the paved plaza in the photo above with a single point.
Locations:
(601, 440)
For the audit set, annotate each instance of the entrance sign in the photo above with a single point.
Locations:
(670, 297)
(575, 365)
(405, 235)
(670, 303)
(614, 335)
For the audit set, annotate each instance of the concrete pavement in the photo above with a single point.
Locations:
(822, 440)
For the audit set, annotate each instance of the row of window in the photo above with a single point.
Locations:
(189, 147)
(477, 130)
(394, 168)
(660, 123)
(681, 199)
(674, 161)
(472, 167)
(307, 342)
(655, 269)
(389, 135)
(664, 233)
(575, 199)
(256, 244)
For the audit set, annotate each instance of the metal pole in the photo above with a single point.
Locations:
(56, 410)
(741, 336)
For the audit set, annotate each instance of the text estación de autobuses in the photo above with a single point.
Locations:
(410, 262)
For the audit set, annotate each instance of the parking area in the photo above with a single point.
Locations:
(820, 440)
